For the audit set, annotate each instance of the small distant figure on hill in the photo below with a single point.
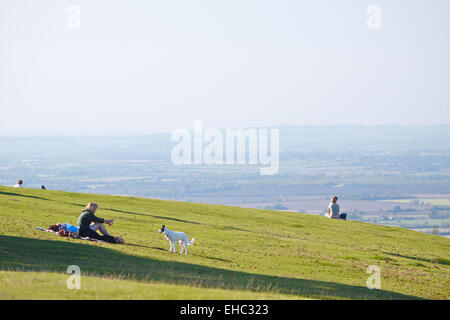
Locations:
(334, 210)
(435, 230)
(43, 187)
(19, 184)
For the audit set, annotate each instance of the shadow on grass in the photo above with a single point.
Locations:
(198, 223)
(23, 195)
(436, 260)
(216, 259)
(153, 216)
(27, 254)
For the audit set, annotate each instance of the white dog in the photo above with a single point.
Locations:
(175, 237)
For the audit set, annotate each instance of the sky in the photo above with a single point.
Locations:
(148, 66)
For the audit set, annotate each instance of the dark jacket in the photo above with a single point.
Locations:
(87, 217)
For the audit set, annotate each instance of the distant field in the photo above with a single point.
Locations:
(238, 253)
(427, 201)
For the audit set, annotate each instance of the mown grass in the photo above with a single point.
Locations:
(18, 285)
(238, 253)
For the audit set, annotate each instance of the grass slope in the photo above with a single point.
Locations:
(238, 253)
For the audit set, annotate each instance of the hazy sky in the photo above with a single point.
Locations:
(146, 66)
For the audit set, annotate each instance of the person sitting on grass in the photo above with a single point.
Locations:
(334, 211)
(88, 216)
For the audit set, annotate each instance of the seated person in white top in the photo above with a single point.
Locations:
(19, 184)
(334, 211)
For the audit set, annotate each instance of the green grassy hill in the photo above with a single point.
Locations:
(238, 253)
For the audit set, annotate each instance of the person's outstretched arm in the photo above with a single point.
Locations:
(94, 218)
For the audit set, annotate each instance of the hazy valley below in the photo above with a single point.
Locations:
(392, 175)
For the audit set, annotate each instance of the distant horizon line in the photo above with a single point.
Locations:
(169, 131)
